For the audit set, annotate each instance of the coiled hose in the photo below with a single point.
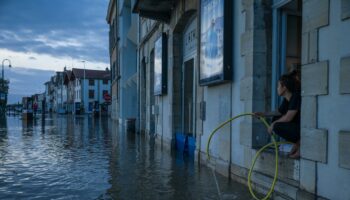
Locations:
(273, 143)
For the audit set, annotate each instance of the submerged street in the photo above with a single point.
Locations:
(175, 100)
(67, 157)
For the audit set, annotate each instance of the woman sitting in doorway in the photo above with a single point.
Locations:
(287, 124)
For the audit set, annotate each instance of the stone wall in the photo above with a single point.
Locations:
(332, 108)
(314, 83)
(233, 150)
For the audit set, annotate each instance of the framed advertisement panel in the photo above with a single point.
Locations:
(215, 42)
(160, 65)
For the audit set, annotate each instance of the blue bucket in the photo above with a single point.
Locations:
(180, 140)
(185, 144)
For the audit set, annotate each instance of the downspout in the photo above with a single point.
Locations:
(197, 80)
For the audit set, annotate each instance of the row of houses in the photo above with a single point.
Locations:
(180, 68)
(76, 91)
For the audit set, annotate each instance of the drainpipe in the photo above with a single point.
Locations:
(138, 71)
(198, 77)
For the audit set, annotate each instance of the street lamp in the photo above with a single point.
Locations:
(2, 74)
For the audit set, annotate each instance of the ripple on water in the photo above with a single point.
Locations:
(63, 157)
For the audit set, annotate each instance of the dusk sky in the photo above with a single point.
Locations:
(51, 34)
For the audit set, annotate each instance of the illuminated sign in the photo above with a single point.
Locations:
(216, 45)
(160, 65)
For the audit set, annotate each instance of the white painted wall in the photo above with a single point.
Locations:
(166, 107)
(218, 110)
(333, 109)
(223, 102)
(237, 106)
(127, 59)
(98, 88)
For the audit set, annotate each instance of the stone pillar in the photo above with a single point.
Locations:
(256, 50)
(314, 83)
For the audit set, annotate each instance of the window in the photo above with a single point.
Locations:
(105, 82)
(286, 43)
(91, 82)
(104, 92)
(91, 94)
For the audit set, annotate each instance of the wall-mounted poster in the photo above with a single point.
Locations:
(216, 45)
(160, 65)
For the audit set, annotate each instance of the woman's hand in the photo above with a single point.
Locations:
(270, 129)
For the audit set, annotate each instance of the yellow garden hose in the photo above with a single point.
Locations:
(273, 143)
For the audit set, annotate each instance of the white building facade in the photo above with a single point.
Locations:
(123, 54)
(90, 89)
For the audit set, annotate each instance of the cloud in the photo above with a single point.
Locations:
(47, 61)
(62, 29)
(14, 80)
(32, 58)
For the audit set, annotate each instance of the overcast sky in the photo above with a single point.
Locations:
(43, 36)
(49, 34)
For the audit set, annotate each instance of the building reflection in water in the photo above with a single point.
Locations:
(81, 157)
(3, 136)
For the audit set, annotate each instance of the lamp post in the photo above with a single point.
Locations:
(2, 74)
(83, 87)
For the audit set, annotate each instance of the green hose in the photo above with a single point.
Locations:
(273, 143)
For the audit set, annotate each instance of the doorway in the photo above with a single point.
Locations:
(151, 99)
(142, 96)
(187, 98)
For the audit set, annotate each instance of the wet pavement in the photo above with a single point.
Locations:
(67, 157)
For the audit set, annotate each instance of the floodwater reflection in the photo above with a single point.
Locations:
(68, 157)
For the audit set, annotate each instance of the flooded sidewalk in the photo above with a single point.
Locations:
(67, 157)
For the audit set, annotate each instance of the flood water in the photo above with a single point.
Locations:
(67, 157)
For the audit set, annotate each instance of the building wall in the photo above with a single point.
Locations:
(145, 95)
(233, 146)
(325, 89)
(127, 52)
(98, 89)
(113, 22)
(163, 113)
(326, 132)
(71, 95)
(114, 105)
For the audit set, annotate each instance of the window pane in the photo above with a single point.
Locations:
(91, 82)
